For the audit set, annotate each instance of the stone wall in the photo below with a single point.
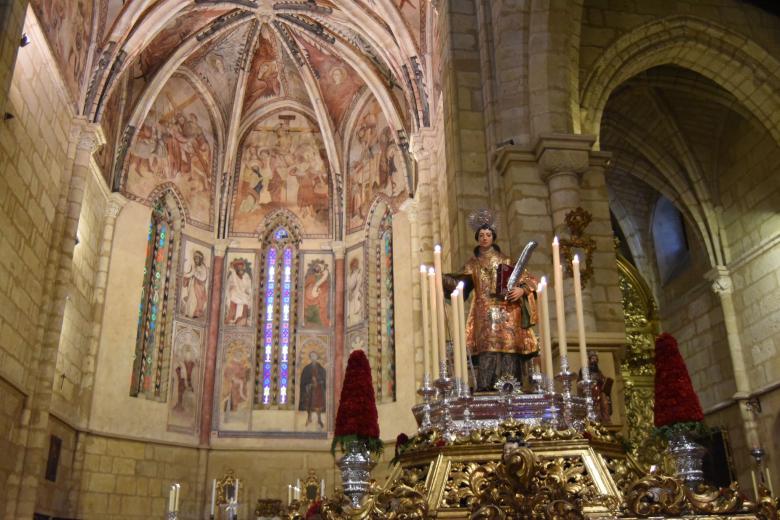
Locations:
(11, 23)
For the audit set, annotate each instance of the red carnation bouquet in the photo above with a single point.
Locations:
(677, 407)
(357, 417)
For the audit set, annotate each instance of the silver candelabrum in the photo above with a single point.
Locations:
(427, 392)
(566, 377)
(355, 468)
(586, 390)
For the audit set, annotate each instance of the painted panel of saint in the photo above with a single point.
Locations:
(375, 164)
(175, 144)
(264, 74)
(312, 392)
(67, 25)
(283, 165)
(317, 287)
(236, 381)
(194, 280)
(238, 303)
(186, 374)
(356, 296)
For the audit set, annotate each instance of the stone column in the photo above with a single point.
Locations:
(215, 305)
(723, 286)
(340, 321)
(86, 139)
(564, 158)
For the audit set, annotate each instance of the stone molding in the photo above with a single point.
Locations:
(563, 153)
(220, 246)
(116, 201)
(89, 137)
(720, 277)
(339, 248)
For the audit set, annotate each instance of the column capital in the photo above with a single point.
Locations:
(563, 153)
(220, 246)
(338, 247)
(721, 280)
(116, 201)
(87, 136)
(422, 143)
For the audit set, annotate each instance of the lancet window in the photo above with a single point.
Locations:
(381, 324)
(276, 323)
(155, 311)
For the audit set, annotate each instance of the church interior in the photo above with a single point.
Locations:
(209, 205)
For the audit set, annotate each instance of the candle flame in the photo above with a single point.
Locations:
(555, 240)
(423, 268)
(576, 259)
(437, 248)
(431, 271)
(544, 281)
(460, 286)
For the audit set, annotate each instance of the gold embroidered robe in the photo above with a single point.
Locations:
(495, 324)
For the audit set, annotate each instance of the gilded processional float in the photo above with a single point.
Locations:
(538, 452)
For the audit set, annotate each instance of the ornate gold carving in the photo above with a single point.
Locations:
(716, 501)
(656, 495)
(578, 243)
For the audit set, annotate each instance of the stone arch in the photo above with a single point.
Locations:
(732, 61)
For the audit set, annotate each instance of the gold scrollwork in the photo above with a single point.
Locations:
(656, 495)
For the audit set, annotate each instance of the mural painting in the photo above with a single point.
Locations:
(216, 64)
(109, 12)
(264, 79)
(313, 378)
(356, 340)
(339, 84)
(317, 291)
(375, 164)
(282, 166)
(238, 303)
(356, 297)
(67, 25)
(175, 144)
(195, 276)
(235, 398)
(109, 121)
(164, 44)
(185, 386)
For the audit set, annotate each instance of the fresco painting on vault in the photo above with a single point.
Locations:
(376, 164)
(235, 401)
(67, 24)
(194, 281)
(339, 84)
(313, 382)
(263, 80)
(175, 144)
(185, 386)
(317, 286)
(282, 166)
(239, 296)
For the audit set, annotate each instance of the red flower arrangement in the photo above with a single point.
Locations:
(357, 417)
(675, 400)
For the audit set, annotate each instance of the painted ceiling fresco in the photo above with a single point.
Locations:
(280, 78)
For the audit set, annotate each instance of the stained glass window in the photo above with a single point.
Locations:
(274, 363)
(154, 313)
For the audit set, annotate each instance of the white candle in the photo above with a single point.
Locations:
(322, 488)
(171, 499)
(755, 484)
(434, 321)
(289, 494)
(440, 303)
(176, 501)
(213, 495)
(238, 484)
(425, 320)
(546, 339)
(559, 312)
(456, 357)
(462, 333)
(575, 265)
(769, 482)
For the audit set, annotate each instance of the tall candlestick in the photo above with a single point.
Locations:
(425, 324)
(322, 488)
(440, 303)
(434, 321)
(238, 484)
(462, 333)
(289, 494)
(575, 265)
(176, 494)
(171, 498)
(213, 495)
(546, 335)
(560, 314)
(456, 357)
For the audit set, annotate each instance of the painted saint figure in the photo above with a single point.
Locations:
(313, 378)
(239, 293)
(499, 333)
(601, 390)
(194, 293)
(355, 291)
(316, 296)
(235, 383)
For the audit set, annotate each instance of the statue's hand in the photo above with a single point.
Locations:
(515, 294)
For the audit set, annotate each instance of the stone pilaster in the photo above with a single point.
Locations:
(339, 249)
(723, 286)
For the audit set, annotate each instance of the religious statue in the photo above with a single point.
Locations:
(499, 334)
(601, 389)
